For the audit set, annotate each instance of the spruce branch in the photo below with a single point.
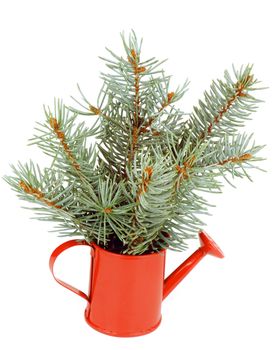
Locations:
(47, 189)
(139, 188)
(60, 135)
(150, 190)
(37, 194)
(226, 106)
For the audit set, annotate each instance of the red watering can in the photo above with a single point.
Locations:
(126, 291)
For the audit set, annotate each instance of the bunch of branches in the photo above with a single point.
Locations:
(139, 188)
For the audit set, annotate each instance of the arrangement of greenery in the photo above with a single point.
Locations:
(138, 189)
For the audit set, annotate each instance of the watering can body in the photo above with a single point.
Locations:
(126, 291)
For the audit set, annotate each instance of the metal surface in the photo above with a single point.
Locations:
(126, 291)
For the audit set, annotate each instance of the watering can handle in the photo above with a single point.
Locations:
(56, 253)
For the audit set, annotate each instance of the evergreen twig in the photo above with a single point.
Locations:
(138, 189)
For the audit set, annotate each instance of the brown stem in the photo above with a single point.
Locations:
(60, 135)
(239, 92)
(133, 59)
(146, 177)
(147, 125)
(37, 194)
(183, 170)
(245, 156)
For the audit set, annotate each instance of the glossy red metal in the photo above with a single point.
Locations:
(126, 291)
(208, 246)
(56, 253)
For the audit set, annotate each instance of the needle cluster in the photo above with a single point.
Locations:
(138, 188)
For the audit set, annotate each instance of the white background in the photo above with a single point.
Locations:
(49, 46)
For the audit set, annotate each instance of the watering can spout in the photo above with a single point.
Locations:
(208, 246)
